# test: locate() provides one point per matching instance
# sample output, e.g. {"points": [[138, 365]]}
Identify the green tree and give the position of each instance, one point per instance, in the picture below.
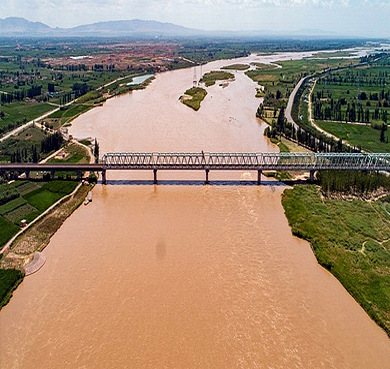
{"points": [[96, 151], [383, 131]]}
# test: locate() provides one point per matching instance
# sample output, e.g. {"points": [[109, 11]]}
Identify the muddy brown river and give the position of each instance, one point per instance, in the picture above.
{"points": [[183, 275]]}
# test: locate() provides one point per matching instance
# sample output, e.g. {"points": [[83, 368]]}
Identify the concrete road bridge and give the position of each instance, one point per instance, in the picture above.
{"points": [[259, 162]]}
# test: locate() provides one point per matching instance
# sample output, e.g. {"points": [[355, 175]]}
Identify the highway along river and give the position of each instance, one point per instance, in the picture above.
{"points": [[183, 275]]}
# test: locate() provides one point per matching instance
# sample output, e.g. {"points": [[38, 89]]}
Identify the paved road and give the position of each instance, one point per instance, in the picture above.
{"points": [[287, 112]]}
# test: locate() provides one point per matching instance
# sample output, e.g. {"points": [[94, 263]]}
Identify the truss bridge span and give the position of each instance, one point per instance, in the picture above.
{"points": [[245, 161], [206, 161]]}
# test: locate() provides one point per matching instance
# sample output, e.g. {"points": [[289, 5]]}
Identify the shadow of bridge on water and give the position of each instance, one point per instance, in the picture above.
{"points": [[216, 183]]}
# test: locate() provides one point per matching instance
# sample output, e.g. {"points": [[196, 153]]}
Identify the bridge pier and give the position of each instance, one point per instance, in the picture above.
{"points": [[259, 177], [104, 179], [155, 176], [312, 176], [207, 176], [27, 172], [78, 175], [52, 174]]}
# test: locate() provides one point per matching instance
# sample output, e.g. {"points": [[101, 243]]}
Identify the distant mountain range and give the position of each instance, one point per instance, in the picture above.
{"points": [[20, 27]]}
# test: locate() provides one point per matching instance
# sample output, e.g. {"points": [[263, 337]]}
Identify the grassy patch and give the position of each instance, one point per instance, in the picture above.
{"points": [[9, 280], [349, 239], [86, 142], [7, 193], [7, 230], [26, 211], [68, 113], [26, 187], [18, 113], [11, 205], [283, 147], [73, 154], [197, 95], [210, 78], [49, 193], [41, 199], [90, 96], [362, 136], [236, 67]]}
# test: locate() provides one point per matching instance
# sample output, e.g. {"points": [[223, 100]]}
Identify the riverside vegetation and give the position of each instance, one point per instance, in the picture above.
{"points": [[339, 94], [27, 200], [347, 217], [349, 238], [278, 81], [9, 281], [34, 239]]}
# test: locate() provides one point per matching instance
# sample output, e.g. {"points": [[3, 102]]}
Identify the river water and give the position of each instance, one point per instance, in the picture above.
{"points": [[182, 275]]}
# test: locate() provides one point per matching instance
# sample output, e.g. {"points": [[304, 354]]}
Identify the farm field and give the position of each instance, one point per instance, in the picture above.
{"points": [[358, 135], [279, 80], [32, 199], [354, 95]]}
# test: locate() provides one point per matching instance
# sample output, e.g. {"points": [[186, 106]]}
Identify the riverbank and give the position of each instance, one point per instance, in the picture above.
{"points": [[351, 240], [9, 282], [22, 248]]}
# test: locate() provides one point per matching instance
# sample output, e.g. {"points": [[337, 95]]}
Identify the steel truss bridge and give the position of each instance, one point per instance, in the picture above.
{"points": [[259, 162]]}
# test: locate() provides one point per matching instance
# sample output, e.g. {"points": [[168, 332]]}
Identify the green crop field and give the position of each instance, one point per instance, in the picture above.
{"points": [[26, 211], [280, 81], [22, 112], [11, 205], [26, 186], [35, 197], [354, 95], [365, 137], [7, 230], [49, 193]]}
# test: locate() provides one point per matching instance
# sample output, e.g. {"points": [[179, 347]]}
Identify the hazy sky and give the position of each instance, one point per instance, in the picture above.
{"points": [[346, 17]]}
